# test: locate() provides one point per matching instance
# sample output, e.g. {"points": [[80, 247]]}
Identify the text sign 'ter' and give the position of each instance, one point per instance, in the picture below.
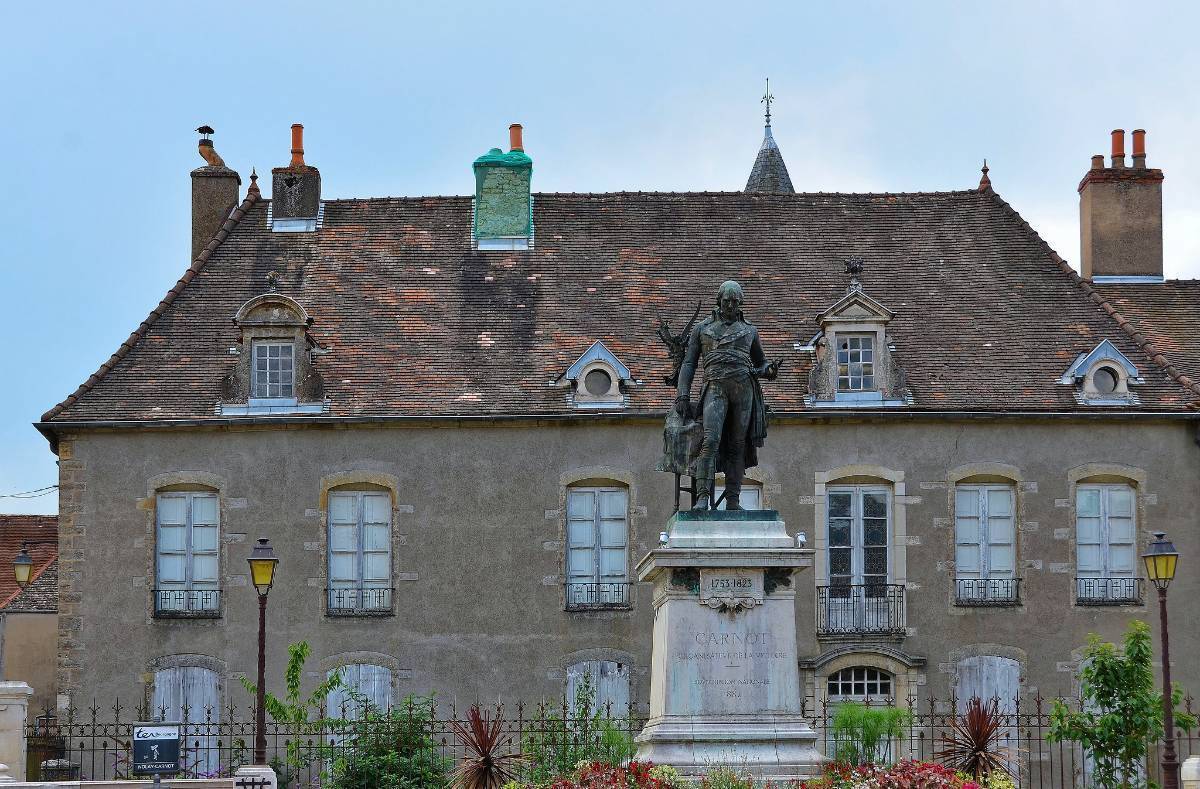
{"points": [[155, 748]]}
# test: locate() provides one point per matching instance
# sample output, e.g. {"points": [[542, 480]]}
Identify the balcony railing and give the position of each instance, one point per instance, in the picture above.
{"points": [[987, 591], [581, 597], [356, 602], [853, 609], [187, 603], [1108, 591]]}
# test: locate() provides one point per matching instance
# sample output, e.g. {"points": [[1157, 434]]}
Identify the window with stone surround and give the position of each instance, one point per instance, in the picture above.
{"points": [[597, 547], [609, 682], [859, 683], [274, 372], [191, 695], [360, 552], [362, 685], [856, 362], [985, 545], [187, 559], [1105, 545]]}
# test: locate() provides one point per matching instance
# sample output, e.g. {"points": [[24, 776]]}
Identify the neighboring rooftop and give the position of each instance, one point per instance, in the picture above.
{"points": [[41, 533], [413, 321]]}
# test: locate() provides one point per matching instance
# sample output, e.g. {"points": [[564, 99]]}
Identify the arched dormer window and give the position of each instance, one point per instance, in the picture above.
{"points": [[275, 372], [1103, 377]]}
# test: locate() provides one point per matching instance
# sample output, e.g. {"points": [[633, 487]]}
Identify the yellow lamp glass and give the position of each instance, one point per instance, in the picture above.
{"points": [[1161, 560], [23, 568], [262, 565]]}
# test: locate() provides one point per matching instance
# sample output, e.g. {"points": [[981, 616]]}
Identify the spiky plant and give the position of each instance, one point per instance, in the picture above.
{"points": [[973, 744], [484, 767]]}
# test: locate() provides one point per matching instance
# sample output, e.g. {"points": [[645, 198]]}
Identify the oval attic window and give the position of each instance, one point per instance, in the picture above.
{"points": [[597, 383], [1105, 380]]}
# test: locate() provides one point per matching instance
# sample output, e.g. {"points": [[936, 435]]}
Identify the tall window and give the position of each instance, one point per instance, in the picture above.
{"points": [[187, 562], [363, 684], [360, 552], [274, 371], [984, 549], [1105, 536], [858, 598], [191, 695], [597, 539], [988, 678], [609, 683], [856, 362]]}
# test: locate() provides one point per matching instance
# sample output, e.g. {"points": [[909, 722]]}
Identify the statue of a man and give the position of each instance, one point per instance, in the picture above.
{"points": [[732, 411]]}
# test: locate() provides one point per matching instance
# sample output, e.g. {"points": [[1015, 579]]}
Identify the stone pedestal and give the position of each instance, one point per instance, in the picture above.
{"points": [[724, 682], [262, 774], [14, 702]]}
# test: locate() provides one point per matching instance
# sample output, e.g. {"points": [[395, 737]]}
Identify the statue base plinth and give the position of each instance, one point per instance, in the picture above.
{"points": [[724, 682]]}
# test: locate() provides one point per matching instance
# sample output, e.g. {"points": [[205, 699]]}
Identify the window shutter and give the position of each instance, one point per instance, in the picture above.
{"points": [[987, 677], [377, 541], [612, 688], [197, 690], [613, 535], [343, 540], [968, 533], [1001, 548], [581, 536], [1122, 559], [1089, 560]]}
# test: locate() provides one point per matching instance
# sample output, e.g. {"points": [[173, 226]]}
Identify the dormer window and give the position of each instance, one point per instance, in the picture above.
{"points": [[856, 362], [596, 379], [274, 370], [1102, 377]]}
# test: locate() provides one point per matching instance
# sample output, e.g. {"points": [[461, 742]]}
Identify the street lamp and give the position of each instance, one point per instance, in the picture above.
{"points": [[23, 566], [262, 573], [1161, 559]]}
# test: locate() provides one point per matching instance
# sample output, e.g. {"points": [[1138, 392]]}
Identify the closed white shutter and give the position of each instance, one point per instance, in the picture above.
{"points": [[581, 536], [191, 695], [597, 545], [610, 685], [968, 533], [370, 682], [360, 551], [988, 677], [1105, 540]]}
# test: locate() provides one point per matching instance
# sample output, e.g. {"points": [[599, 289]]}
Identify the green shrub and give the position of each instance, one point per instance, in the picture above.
{"points": [[392, 749], [862, 734], [558, 744]]}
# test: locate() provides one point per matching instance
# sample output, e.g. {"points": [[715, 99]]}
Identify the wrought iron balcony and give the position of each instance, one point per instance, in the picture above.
{"points": [[582, 597], [987, 591], [358, 602], [856, 609], [187, 603], [1108, 591]]}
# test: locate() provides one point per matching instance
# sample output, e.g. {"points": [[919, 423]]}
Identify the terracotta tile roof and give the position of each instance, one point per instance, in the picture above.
{"points": [[419, 324], [1167, 315], [42, 592]]}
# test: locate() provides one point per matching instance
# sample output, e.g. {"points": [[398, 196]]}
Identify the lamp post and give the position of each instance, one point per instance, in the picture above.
{"points": [[262, 573], [23, 564], [1160, 560]]}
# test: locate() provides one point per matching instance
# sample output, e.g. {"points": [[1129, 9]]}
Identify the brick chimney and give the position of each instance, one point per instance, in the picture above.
{"points": [[296, 189], [1120, 215], [214, 194]]}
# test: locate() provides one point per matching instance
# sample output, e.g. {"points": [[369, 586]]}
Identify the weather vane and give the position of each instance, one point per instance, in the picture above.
{"points": [[767, 99]]}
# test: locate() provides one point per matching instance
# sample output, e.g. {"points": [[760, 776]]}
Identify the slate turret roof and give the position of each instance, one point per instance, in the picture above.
{"points": [[769, 173]]}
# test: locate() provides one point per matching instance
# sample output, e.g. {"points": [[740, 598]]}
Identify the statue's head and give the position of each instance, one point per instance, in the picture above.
{"points": [[729, 300]]}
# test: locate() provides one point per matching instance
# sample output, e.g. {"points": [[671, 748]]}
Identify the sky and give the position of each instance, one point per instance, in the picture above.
{"points": [[98, 102]]}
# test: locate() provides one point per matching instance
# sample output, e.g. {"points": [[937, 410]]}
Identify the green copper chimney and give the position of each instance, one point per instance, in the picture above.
{"points": [[502, 201]]}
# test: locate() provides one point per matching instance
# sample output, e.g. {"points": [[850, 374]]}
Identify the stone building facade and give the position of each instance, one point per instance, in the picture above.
{"points": [[450, 437]]}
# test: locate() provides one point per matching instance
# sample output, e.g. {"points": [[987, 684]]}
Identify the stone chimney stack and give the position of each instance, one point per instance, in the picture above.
{"points": [[296, 189], [1120, 216], [214, 194]]}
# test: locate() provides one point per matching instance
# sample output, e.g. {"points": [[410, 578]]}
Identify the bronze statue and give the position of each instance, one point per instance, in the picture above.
{"points": [[732, 422]]}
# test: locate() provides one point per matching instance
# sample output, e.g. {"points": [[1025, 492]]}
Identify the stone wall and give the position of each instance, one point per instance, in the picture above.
{"points": [[478, 546]]}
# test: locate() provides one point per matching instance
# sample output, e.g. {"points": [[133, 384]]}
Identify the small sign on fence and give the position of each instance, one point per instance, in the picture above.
{"points": [[155, 748]]}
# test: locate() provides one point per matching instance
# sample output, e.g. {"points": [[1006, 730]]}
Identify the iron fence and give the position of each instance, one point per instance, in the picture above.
{"points": [[351, 601], [187, 602], [852, 609], [94, 744], [1108, 591], [581, 596], [987, 591]]}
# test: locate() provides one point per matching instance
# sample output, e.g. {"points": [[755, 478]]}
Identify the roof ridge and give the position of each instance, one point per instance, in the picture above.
{"points": [[1144, 344], [665, 193], [231, 222]]}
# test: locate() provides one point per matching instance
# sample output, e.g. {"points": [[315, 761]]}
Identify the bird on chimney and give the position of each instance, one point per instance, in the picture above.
{"points": [[207, 152]]}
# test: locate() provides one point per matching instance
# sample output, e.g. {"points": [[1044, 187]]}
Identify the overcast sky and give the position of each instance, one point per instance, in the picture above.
{"points": [[99, 101]]}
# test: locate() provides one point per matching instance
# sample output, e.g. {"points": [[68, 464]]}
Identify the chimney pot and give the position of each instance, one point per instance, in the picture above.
{"points": [[1139, 148], [514, 138], [297, 146], [214, 194], [1098, 161], [1118, 147]]}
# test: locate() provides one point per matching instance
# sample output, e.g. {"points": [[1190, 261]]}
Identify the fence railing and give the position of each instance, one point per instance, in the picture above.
{"points": [[187, 602], [1108, 591], [852, 609], [346, 602], [94, 744], [987, 591], [597, 595]]}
